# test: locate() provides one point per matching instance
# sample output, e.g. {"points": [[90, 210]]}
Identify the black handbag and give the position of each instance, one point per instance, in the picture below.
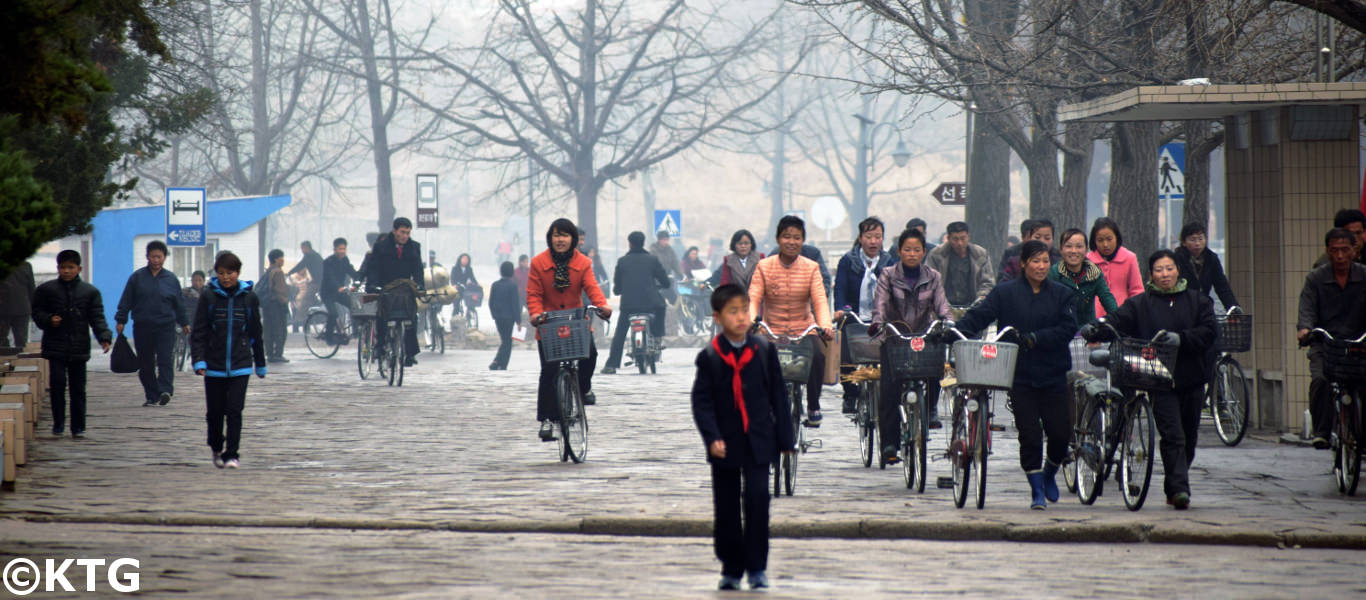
{"points": [[122, 359]]}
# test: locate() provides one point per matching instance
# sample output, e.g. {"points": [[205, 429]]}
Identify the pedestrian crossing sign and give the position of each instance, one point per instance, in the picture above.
{"points": [[1171, 171], [670, 221]]}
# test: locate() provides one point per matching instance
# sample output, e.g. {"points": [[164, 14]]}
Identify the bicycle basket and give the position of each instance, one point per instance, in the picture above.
{"points": [[1142, 364], [863, 350], [565, 336], [1344, 361], [473, 295], [916, 358], [398, 304], [1235, 332], [985, 364], [795, 360], [1081, 358], [360, 308]]}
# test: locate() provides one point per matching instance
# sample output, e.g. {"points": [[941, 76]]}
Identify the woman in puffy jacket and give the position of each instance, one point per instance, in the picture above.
{"points": [[1119, 264], [912, 293], [226, 348], [1077, 272]]}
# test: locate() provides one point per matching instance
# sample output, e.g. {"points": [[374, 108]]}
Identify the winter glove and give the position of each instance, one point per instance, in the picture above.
{"points": [[1028, 341], [1090, 332], [1170, 337]]}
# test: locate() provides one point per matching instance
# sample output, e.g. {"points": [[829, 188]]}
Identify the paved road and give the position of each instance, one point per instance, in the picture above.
{"points": [[275, 563], [455, 447]]}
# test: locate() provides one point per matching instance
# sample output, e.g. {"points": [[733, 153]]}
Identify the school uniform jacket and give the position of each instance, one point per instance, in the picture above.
{"points": [[718, 418], [225, 340]]}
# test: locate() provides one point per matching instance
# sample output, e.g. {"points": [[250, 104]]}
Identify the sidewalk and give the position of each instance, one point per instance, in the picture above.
{"points": [[455, 449]]}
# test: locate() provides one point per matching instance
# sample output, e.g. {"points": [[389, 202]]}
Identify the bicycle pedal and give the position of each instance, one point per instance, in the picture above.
{"points": [[995, 427], [944, 483], [815, 443]]}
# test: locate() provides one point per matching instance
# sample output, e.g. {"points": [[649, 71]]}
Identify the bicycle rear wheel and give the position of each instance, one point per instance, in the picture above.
{"points": [[1136, 453], [1347, 449], [472, 319], [981, 447], [1229, 401], [393, 353], [365, 347], [573, 419], [959, 460], [913, 436], [863, 423], [799, 435], [316, 338], [1089, 463]]}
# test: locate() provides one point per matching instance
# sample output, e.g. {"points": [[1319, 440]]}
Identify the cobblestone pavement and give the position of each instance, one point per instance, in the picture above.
{"points": [[456, 448], [275, 563]]}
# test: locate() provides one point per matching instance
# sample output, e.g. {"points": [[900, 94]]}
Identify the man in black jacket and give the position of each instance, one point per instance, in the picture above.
{"points": [[1200, 266], [638, 279], [506, 305], [395, 256], [67, 309], [337, 274], [152, 298], [1333, 299]]}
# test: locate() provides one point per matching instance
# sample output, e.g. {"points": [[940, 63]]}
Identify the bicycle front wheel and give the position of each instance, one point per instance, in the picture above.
{"points": [[959, 460], [316, 338], [863, 422], [1229, 401], [981, 448], [1136, 453], [799, 435], [916, 435], [365, 348], [1089, 463], [1347, 452], [393, 352], [573, 419]]}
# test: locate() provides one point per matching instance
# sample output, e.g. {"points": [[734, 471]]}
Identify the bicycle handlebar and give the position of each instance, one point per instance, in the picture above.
{"points": [[1319, 332], [849, 314], [769, 332], [1156, 336], [902, 330]]}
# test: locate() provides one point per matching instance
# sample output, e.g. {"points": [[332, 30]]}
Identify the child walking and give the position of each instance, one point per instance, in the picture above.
{"points": [[67, 309], [225, 344], [741, 410]]}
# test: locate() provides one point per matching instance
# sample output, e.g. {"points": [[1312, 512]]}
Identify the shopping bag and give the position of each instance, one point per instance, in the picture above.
{"points": [[832, 358], [123, 360], [518, 333]]}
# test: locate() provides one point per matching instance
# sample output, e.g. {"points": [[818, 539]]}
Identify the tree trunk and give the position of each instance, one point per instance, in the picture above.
{"points": [[1199, 145], [1133, 185], [988, 208], [1045, 192], [1076, 169], [379, 122], [585, 175], [258, 183]]}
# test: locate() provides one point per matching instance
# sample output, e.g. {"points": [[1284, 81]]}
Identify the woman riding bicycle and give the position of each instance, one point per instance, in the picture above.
{"points": [[559, 277], [785, 289], [913, 293], [1188, 318], [462, 277], [1043, 314]]}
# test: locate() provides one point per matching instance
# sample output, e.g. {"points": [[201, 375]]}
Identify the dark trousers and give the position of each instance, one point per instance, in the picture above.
{"points": [[741, 542], [623, 327], [1177, 415], [504, 326], [155, 347], [225, 397], [64, 373], [1040, 412], [1322, 406], [333, 305], [274, 316], [816, 381], [409, 336], [547, 408], [17, 326]]}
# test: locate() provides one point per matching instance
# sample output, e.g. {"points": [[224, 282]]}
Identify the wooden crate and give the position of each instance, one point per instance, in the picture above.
{"points": [[9, 471], [15, 411], [18, 389]]}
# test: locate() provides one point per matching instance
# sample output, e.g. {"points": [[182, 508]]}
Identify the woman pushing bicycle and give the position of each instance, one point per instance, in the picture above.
{"points": [[559, 278], [1043, 314]]}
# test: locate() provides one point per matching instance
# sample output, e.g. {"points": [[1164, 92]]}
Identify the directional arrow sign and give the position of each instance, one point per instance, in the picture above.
{"points": [[952, 194], [185, 208]]}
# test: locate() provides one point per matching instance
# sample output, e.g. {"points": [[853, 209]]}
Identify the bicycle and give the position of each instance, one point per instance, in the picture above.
{"points": [[863, 351], [980, 366], [363, 313], [692, 306], [566, 338], [1117, 416], [1227, 395], [432, 328], [181, 352], [321, 343], [398, 308], [913, 360], [794, 358], [1344, 366]]}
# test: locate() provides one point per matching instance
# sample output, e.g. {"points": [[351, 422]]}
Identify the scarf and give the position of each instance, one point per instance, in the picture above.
{"points": [[736, 366], [561, 267], [1180, 287]]}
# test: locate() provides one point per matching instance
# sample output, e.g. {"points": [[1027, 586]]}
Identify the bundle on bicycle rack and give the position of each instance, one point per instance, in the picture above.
{"points": [[1235, 332], [1344, 361], [565, 335], [985, 364], [862, 374], [863, 349], [794, 358], [916, 358], [1142, 364]]}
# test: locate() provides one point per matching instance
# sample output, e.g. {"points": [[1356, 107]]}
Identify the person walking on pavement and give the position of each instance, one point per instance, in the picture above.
{"points": [[560, 277], [16, 293], [396, 256], [738, 266], [664, 251], [226, 348], [1354, 221], [964, 266], [855, 283], [1119, 264], [152, 297], [740, 408], [1082, 276], [312, 262], [67, 310], [912, 293], [337, 274], [1334, 299], [198, 280], [274, 301], [1187, 317], [786, 289], [1043, 314], [638, 279], [506, 305]]}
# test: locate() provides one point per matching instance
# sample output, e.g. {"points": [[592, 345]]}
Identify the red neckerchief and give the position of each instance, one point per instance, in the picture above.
{"points": [[736, 366]]}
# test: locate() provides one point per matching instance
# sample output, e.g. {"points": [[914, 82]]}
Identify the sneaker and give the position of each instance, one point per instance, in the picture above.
{"points": [[1320, 443], [547, 431], [850, 405], [217, 460], [231, 463], [164, 398], [609, 370], [758, 581], [77, 434], [589, 399], [150, 403], [814, 419], [1181, 501], [934, 423], [493, 366], [410, 362], [889, 455], [728, 584]]}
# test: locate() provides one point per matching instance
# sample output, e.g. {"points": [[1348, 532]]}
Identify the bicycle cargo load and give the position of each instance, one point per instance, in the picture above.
{"points": [[565, 335], [1142, 364], [985, 364], [794, 358], [1344, 361], [1235, 332], [915, 358]]}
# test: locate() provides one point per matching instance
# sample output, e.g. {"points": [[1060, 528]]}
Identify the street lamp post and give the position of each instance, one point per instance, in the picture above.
{"points": [[867, 130]]}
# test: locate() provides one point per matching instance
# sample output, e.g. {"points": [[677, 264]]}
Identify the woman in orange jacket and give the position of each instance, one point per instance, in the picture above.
{"points": [[559, 278]]}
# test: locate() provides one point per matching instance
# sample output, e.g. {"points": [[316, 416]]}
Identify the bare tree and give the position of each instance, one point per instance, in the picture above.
{"points": [[594, 95]]}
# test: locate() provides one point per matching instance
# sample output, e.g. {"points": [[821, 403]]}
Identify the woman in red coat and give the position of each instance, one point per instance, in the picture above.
{"points": [[559, 278]]}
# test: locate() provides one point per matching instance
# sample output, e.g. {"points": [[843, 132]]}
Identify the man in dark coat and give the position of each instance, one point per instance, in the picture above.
{"points": [[664, 251], [505, 303], [337, 274], [152, 298], [395, 256], [1333, 299], [67, 310], [15, 292], [639, 277]]}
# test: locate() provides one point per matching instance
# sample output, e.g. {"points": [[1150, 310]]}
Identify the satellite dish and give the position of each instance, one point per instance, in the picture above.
{"points": [[827, 212]]}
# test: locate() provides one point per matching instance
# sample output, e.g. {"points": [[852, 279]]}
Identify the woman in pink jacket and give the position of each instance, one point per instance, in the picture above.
{"points": [[1119, 264]]}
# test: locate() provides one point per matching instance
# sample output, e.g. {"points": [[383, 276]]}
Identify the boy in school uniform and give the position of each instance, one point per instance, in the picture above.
{"points": [[226, 347], [67, 309], [741, 410]]}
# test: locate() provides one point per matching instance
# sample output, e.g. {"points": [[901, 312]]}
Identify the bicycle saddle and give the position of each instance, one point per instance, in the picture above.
{"points": [[1100, 357]]}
